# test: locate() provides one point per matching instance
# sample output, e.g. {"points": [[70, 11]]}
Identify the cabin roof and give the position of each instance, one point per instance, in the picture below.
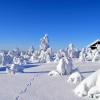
{"points": [[98, 40]]}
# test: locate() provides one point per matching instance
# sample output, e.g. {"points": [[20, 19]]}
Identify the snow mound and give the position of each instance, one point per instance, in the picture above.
{"points": [[53, 73], [64, 67], [75, 78], [61, 67], [86, 87], [94, 92]]}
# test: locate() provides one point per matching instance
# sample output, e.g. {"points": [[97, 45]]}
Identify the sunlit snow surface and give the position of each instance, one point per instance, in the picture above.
{"points": [[35, 84]]}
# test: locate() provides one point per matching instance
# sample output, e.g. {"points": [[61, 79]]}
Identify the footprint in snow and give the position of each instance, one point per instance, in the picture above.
{"points": [[27, 85], [21, 92], [17, 98], [25, 89], [30, 83]]}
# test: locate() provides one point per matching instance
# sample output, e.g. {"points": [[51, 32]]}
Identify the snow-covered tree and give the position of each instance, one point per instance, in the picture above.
{"points": [[64, 67], [45, 51], [96, 57], [17, 52], [72, 51], [84, 88], [31, 50], [44, 45], [89, 54], [5, 59], [82, 55], [18, 60], [60, 54], [14, 68]]}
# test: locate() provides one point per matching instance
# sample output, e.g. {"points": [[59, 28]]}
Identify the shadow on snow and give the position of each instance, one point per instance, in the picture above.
{"points": [[85, 72], [20, 67], [38, 72]]}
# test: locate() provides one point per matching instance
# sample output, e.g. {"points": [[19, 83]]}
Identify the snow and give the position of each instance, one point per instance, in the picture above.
{"points": [[35, 84], [64, 67], [89, 86], [96, 57], [72, 51], [75, 78], [61, 67], [93, 91], [53, 73]]}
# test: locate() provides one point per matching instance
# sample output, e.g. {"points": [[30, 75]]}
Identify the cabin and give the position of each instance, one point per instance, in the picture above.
{"points": [[95, 45]]}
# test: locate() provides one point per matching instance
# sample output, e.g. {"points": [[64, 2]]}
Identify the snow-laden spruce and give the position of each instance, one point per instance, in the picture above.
{"points": [[17, 60], [89, 86], [45, 52], [31, 51], [14, 68], [34, 57], [87, 54], [72, 51], [5, 59], [64, 67], [44, 45], [82, 55], [60, 54], [96, 57]]}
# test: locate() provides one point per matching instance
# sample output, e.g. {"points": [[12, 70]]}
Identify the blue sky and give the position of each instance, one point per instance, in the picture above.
{"points": [[24, 22]]}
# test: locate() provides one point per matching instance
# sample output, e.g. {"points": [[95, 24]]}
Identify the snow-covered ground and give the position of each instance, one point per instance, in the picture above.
{"points": [[35, 84]]}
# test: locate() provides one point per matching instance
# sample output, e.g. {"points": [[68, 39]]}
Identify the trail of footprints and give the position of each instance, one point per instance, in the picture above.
{"points": [[25, 89]]}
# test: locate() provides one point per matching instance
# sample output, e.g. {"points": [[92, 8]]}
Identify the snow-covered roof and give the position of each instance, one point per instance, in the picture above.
{"points": [[93, 43]]}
